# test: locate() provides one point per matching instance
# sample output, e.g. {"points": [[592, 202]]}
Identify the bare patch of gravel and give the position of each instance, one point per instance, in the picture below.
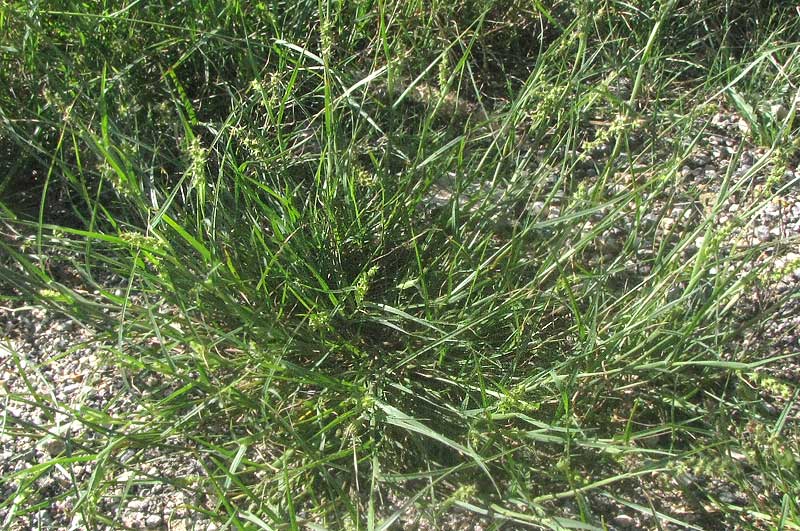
{"points": [[56, 385]]}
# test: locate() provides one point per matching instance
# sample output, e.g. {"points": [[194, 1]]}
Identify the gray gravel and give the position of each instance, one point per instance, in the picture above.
{"points": [[65, 369]]}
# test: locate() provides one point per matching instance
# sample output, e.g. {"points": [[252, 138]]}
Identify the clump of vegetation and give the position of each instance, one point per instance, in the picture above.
{"points": [[421, 248]]}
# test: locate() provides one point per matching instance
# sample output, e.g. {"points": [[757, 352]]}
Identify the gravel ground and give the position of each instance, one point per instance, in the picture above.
{"points": [[60, 363], [52, 358]]}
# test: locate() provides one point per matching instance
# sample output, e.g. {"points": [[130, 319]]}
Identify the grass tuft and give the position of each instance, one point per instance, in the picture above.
{"points": [[352, 259]]}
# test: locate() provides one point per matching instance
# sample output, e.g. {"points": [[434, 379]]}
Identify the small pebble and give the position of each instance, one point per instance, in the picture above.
{"points": [[778, 111], [53, 446], [762, 233], [623, 520]]}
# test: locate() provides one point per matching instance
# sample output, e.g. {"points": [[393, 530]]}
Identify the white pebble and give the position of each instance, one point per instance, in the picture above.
{"points": [[762, 233]]}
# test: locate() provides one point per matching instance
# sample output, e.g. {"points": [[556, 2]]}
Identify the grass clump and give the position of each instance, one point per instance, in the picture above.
{"points": [[441, 253]]}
